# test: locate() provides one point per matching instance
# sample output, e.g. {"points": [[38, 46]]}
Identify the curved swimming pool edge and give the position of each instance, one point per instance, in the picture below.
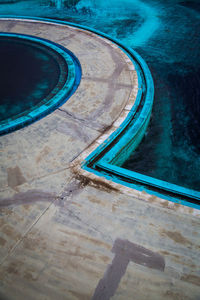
{"points": [[85, 163], [57, 96], [145, 83]]}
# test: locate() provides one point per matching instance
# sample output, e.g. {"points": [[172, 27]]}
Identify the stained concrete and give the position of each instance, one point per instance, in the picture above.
{"points": [[60, 227]]}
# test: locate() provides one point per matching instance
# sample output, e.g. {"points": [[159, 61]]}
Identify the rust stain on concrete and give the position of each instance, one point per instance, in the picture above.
{"points": [[170, 254], [175, 296], [43, 153], [93, 199], [152, 199], [176, 237], [80, 296], [5, 211], [97, 183], [79, 253], [2, 241], [105, 259], [15, 177], [29, 276], [165, 204], [34, 243], [179, 259], [84, 237], [13, 268], [72, 263], [191, 278], [11, 232]]}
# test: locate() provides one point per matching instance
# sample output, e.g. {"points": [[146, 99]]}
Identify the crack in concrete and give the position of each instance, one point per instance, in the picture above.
{"points": [[94, 125], [25, 234]]}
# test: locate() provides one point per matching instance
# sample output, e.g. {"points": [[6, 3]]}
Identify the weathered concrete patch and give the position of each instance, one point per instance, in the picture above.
{"points": [[15, 177], [125, 252], [192, 279], [61, 250], [176, 237]]}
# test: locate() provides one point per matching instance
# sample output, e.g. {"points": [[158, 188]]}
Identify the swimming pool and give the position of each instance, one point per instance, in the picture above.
{"points": [[166, 36], [36, 77]]}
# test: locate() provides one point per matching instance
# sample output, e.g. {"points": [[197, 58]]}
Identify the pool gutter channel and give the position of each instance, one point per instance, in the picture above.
{"points": [[101, 160]]}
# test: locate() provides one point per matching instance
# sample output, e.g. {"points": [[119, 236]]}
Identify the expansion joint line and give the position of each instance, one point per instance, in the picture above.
{"points": [[72, 116], [26, 233]]}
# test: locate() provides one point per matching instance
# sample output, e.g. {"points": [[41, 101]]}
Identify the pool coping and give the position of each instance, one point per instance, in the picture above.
{"points": [[77, 164]]}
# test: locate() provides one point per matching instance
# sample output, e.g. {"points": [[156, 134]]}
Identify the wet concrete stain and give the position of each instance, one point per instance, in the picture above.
{"points": [[29, 197], [15, 177], [125, 251]]}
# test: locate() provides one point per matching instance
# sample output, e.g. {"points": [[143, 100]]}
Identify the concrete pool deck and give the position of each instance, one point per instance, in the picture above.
{"points": [[66, 234]]}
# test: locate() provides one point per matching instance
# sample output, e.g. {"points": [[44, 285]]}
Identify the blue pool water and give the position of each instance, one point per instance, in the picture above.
{"points": [[29, 72], [166, 35], [37, 76]]}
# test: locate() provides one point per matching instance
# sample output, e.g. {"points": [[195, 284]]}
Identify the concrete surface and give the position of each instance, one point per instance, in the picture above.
{"points": [[68, 235]]}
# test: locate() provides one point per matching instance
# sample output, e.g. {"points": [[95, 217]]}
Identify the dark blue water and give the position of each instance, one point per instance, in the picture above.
{"points": [[28, 73], [170, 150], [167, 35]]}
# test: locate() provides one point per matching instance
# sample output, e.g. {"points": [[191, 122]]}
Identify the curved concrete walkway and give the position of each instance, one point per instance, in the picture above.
{"points": [[61, 230], [49, 145]]}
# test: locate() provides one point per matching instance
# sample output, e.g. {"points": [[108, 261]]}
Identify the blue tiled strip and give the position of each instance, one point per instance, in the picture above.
{"points": [[60, 95], [107, 159]]}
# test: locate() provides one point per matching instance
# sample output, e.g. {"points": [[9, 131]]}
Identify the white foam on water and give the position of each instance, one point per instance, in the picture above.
{"points": [[147, 12]]}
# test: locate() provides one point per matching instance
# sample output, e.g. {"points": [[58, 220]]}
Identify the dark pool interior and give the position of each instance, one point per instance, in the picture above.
{"points": [[170, 45], [29, 72]]}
